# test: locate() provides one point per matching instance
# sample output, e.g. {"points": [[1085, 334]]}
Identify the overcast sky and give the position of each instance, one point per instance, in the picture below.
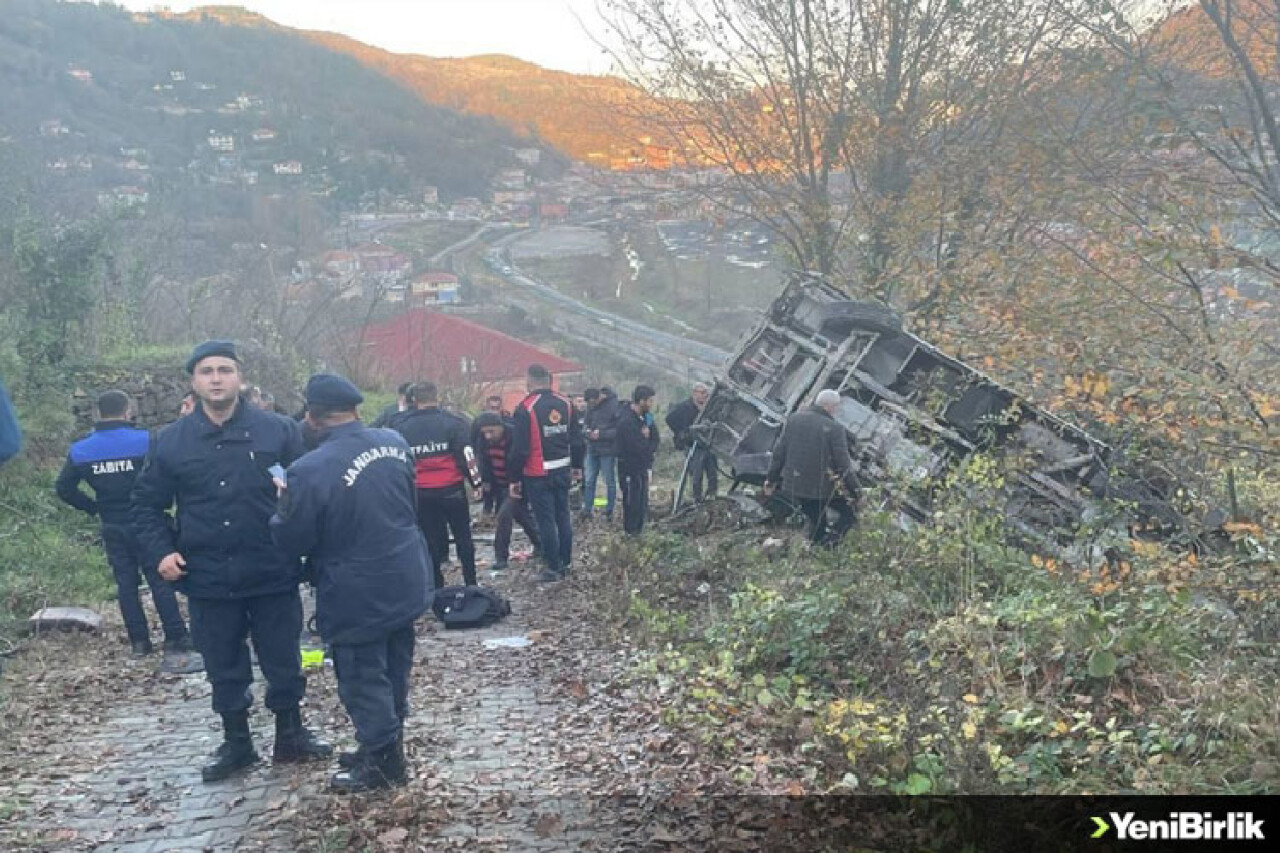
{"points": [[542, 31]]}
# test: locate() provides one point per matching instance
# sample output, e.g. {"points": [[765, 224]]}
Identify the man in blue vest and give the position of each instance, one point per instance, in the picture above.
{"points": [[349, 508], [108, 461], [221, 464]]}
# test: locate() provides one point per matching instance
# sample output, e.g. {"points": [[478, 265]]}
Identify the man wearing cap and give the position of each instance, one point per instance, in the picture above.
{"points": [[349, 508], [217, 464]]}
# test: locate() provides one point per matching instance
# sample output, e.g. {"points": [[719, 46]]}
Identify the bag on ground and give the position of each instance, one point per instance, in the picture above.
{"points": [[469, 606]]}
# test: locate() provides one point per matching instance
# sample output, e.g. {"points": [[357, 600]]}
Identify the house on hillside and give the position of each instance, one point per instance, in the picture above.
{"points": [[433, 288], [469, 360], [339, 264]]}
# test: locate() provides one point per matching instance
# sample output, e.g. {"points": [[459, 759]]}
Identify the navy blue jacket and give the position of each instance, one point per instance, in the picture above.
{"points": [[10, 432], [219, 476], [350, 509], [635, 450], [108, 459]]}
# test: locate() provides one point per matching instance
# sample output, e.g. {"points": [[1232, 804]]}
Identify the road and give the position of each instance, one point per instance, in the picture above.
{"points": [[677, 356]]}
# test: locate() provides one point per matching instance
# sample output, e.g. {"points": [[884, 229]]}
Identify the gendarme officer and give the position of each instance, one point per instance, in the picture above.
{"points": [[349, 507], [217, 464]]}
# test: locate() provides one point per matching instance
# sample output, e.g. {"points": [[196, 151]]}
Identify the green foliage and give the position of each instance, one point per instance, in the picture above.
{"points": [[48, 552], [942, 660]]}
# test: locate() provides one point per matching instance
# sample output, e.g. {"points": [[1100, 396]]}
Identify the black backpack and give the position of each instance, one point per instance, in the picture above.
{"points": [[468, 606]]}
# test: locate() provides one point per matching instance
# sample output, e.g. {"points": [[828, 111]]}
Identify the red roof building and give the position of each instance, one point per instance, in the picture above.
{"points": [[422, 345]]}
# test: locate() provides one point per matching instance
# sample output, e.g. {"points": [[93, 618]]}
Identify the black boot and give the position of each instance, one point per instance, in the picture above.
{"points": [[349, 759], [236, 751], [380, 768], [295, 742]]}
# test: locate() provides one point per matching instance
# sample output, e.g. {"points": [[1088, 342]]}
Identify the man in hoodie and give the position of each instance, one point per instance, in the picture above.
{"points": [[637, 442]]}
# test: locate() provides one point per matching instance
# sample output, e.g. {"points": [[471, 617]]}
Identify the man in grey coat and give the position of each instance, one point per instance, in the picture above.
{"points": [[810, 458]]}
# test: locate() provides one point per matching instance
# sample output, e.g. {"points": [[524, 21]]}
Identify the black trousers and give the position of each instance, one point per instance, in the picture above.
{"points": [[440, 514], [702, 466], [126, 565], [220, 628], [635, 499], [511, 510], [816, 511], [373, 684]]}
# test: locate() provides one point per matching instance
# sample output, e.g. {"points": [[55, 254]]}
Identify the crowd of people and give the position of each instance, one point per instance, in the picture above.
{"points": [[234, 505]]}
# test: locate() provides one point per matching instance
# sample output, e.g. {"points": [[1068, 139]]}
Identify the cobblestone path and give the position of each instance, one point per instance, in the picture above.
{"points": [[101, 753]]}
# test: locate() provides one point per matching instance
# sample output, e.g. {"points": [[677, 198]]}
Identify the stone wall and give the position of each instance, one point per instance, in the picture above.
{"points": [[157, 390]]}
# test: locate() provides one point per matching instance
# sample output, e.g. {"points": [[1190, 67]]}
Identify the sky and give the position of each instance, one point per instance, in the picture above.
{"points": [[542, 31]]}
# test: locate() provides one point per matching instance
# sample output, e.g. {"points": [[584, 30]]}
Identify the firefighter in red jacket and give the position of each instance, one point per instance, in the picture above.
{"points": [[445, 463], [544, 460]]}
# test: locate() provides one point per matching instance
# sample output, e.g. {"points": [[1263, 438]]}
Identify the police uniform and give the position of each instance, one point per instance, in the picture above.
{"points": [[108, 461], [349, 507], [239, 584], [544, 436], [444, 461]]}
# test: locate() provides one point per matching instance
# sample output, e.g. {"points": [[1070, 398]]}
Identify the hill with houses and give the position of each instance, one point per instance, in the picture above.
{"points": [[107, 107]]}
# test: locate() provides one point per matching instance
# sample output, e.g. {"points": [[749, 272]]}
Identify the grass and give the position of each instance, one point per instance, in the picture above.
{"points": [[49, 553], [942, 660]]}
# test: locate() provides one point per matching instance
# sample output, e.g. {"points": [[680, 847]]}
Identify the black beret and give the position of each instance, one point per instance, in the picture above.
{"points": [[332, 392], [226, 349]]}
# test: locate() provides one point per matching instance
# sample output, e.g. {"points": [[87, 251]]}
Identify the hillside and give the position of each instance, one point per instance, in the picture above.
{"points": [[578, 114], [102, 99]]}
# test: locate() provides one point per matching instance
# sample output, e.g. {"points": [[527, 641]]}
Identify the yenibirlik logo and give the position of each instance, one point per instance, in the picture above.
{"points": [[1182, 826]]}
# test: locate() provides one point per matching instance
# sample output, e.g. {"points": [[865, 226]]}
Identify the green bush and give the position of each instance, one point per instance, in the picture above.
{"points": [[48, 552], [942, 659]]}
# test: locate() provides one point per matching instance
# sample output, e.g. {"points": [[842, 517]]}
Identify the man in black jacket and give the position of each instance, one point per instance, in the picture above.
{"points": [[601, 423], [108, 461], [349, 508], [810, 458], [541, 464], [445, 462], [492, 406], [637, 441], [492, 451], [702, 462], [221, 464], [403, 403]]}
